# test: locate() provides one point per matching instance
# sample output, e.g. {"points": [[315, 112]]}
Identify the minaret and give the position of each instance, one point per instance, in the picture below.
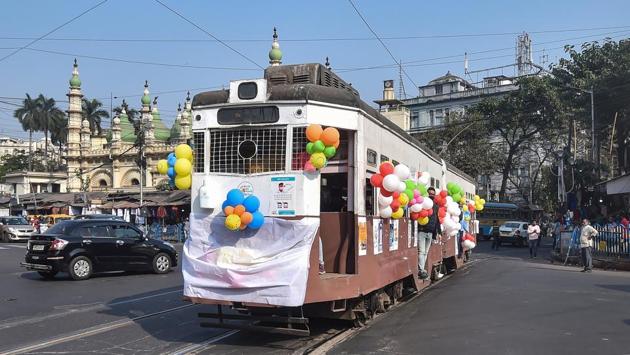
{"points": [[275, 54], [146, 116], [116, 138], [184, 124], [75, 112], [177, 129]]}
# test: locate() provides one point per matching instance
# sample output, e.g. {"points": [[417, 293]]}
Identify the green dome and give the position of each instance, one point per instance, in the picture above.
{"points": [[127, 133], [160, 131], [146, 100], [75, 82], [275, 54]]}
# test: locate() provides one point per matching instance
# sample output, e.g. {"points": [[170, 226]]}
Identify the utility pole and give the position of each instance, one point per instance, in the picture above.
{"points": [[593, 122]]}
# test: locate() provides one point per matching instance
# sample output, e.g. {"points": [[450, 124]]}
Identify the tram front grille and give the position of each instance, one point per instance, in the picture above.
{"points": [[247, 150]]}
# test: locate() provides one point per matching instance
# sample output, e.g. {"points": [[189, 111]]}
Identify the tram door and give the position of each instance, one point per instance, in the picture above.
{"points": [[337, 209]]}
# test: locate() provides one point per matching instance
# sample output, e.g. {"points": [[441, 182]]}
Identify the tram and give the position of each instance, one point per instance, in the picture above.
{"points": [[252, 137]]}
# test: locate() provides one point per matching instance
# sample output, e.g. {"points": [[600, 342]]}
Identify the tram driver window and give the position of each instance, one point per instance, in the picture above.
{"points": [[370, 193], [334, 192]]}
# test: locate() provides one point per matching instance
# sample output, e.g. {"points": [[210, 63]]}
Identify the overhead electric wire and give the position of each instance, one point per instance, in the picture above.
{"points": [[209, 34], [316, 39], [52, 31], [382, 43]]}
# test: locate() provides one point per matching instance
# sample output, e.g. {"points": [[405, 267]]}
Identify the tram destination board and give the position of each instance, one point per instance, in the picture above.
{"points": [[240, 115]]}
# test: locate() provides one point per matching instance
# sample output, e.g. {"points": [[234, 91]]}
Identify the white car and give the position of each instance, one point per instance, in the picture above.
{"points": [[508, 232]]}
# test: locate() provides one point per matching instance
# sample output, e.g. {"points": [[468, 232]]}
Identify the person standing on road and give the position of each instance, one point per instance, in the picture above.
{"points": [[586, 244], [533, 233], [496, 236], [426, 234]]}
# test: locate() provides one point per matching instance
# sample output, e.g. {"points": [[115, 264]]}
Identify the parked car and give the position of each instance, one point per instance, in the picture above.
{"points": [[509, 234], [52, 219], [83, 247], [99, 216], [15, 228]]}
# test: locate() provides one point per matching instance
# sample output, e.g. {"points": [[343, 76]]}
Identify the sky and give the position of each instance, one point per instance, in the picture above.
{"points": [[119, 43]]}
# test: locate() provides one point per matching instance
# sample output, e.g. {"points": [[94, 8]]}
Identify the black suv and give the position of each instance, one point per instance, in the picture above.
{"points": [[82, 247]]}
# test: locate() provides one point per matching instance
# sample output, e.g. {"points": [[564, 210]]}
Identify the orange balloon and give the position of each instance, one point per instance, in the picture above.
{"points": [[228, 210], [313, 132], [336, 145], [243, 226], [330, 136], [246, 218], [238, 210]]}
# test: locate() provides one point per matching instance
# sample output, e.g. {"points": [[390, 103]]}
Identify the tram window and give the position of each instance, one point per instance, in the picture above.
{"points": [[239, 115], [247, 91], [369, 198], [300, 156], [371, 157], [334, 192], [199, 147], [433, 182], [384, 158], [395, 162], [437, 184]]}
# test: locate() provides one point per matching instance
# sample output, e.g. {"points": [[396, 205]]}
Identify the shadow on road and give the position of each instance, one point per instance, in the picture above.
{"points": [[623, 288]]}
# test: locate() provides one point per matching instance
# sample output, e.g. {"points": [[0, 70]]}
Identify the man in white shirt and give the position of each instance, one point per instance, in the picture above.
{"points": [[533, 233], [586, 244]]}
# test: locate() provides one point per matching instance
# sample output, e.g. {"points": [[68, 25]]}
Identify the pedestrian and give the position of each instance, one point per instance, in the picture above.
{"points": [[496, 236], [586, 244], [533, 233], [426, 234], [555, 233], [186, 229]]}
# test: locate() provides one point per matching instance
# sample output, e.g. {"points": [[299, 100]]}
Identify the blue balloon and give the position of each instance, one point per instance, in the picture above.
{"points": [[224, 205], [171, 173], [235, 197], [251, 203], [257, 221], [171, 160], [170, 155]]}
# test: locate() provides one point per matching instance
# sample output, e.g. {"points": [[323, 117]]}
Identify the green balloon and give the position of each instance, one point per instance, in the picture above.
{"points": [[330, 152], [410, 185], [318, 146], [409, 194], [457, 189], [309, 148], [449, 186], [457, 197], [423, 190]]}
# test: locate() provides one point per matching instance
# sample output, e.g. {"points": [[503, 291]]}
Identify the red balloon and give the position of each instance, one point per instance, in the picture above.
{"points": [[386, 168], [430, 212], [441, 220], [441, 213], [396, 195], [386, 193], [414, 215], [424, 213], [443, 193], [376, 180], [395, 205]]}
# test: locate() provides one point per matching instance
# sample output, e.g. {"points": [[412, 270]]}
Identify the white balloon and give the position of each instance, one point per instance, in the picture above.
{"points": [[425, 178], [449, 199], [468, 244], [391, 183], [402, 187], [416, 207], [427, 204], [402, 171], [385, 212], [384, 201], [456, 219]]}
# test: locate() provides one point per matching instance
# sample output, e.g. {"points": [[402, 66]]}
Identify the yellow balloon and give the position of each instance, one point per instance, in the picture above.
{"points": [[477, 198], [233, 222], [464, 208], [403, 199], [479, 208], [398, 213], [423, 221], [318, 160], [462, 200], [482, 201], [183, 167], [184, 151], [183, 182], [162, 166]]}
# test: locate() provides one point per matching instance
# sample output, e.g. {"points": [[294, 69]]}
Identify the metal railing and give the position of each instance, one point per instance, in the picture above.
{"points": [[610, 242]]}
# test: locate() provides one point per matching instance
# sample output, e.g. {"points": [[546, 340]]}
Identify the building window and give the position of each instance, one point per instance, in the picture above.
{"points": [[415, 118], [438, 89], [102, 183], [135, 182], [431, 118], [439, 117]]}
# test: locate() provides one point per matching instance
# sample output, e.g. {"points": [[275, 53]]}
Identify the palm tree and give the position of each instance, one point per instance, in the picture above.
{"points": [[59, 134], [27, 115], [93, 112], [48, 114]]}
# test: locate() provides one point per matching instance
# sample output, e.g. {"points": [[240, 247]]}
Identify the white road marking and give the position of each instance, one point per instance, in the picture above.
{"points": [[96, 307], [192, 349], [90, 331], [20, 246], [3, 248]]}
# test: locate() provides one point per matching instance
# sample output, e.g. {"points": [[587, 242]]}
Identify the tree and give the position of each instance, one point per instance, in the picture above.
{"points": [[27, 116], [606, 68], [59, 134], [94, 114], [18, 162], [530, 113], [47, 114]]}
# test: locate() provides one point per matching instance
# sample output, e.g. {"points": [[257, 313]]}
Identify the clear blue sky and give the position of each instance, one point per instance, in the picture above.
{"points": [[38, 72]]}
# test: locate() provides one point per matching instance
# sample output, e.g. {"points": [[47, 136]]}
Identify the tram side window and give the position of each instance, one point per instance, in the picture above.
{"points": [[300, 156], [369, 198], [384, 158]]}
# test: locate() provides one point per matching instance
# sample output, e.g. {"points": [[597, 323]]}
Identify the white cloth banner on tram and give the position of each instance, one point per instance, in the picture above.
{"points": [[266, 266]]}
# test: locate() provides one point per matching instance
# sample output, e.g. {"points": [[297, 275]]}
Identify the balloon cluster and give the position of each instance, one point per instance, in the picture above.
{"points": [[322, 146], [468, 241], [178, 167], [448, 213], [456, 192], [479, 203], [242, 212]]}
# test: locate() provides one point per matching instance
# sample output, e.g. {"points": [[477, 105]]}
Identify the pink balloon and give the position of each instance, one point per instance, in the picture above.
{"points": [[412, 202], [416, 194], [420, 199], [308, 167]]}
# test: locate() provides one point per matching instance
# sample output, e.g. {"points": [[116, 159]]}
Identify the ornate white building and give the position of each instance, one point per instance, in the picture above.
{"points": [[97, 163]]}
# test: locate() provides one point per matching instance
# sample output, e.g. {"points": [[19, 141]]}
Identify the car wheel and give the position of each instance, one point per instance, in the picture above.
{"points": [[80, 268], [47, 275], [161, 263]]}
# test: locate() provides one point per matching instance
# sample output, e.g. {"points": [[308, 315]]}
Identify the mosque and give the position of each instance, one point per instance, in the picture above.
{"points": [[108, 163]]}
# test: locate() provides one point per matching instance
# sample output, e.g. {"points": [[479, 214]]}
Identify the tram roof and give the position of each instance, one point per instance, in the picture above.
{"points": [[317, 83]]}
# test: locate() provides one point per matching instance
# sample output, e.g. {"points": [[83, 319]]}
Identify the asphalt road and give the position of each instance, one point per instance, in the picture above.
{"points": [[507, 303]]}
